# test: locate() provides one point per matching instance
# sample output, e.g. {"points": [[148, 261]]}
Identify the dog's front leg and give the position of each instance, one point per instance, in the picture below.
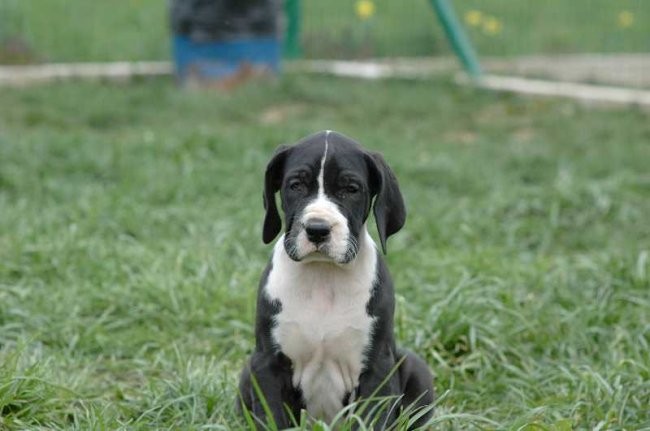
{"points": [[379, 392], [266, 379]]}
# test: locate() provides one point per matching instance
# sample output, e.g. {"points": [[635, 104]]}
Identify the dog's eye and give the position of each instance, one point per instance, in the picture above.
{"points": [[348, 190], [296, 185], [352, 188]]}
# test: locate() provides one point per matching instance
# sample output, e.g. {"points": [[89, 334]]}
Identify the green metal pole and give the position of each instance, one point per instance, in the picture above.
{"points": [[292, 36], [456, 35]]}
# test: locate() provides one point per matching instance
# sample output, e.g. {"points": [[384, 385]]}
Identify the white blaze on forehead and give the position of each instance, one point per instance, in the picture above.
{"points": [[321, 174]]}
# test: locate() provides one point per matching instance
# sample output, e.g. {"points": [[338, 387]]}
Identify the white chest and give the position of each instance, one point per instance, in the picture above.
{"points": [[323, 326]]}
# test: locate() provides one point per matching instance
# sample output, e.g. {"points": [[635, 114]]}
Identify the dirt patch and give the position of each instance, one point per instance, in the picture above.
{"points": [[278, 114]]}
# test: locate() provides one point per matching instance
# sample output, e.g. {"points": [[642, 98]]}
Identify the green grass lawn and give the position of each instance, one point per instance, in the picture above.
{"points": [[130, 249], [100, 30], [410, 28]]}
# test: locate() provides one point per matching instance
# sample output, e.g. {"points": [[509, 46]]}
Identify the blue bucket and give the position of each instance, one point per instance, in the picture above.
{"points": [[216, 60]]}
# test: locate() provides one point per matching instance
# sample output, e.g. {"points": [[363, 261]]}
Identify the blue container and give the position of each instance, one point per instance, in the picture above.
{"points": [[215, 60]]}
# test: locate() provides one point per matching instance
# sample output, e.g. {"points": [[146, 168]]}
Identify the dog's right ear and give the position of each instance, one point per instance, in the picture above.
{"points": [[272, 184], [389, 209]]}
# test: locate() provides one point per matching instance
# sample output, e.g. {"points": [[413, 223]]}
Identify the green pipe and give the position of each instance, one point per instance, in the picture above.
{"points": [[292, 36], [456, 35]]}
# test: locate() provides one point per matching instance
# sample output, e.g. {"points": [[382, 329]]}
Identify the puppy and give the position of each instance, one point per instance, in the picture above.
{"points": [[324, 327]]}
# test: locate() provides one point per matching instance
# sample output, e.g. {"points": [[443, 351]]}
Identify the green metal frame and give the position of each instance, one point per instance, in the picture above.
{"points": [[457, 37], [444, 10], [292, 35]]}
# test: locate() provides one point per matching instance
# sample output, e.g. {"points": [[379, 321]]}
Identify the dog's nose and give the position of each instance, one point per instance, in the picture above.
{"points": [[317, 230]]}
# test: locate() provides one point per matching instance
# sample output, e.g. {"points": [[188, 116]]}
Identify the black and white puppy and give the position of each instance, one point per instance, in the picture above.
{"points": [[324, 328]]}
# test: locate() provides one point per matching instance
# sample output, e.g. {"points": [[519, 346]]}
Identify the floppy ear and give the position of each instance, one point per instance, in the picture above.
{"points": [[389, 209], [272, 184]]}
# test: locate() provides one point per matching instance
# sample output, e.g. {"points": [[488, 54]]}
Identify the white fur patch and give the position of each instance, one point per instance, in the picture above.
{"points": [[321, 173], [323, 325], [337, 245]]}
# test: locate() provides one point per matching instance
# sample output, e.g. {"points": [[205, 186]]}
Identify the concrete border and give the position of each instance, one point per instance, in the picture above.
{"points": [[19, 76], [557, 86], [585, 93]]}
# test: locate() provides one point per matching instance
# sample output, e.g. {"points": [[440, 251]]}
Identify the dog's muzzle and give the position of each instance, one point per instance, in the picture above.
{"points": [[321, 233]]}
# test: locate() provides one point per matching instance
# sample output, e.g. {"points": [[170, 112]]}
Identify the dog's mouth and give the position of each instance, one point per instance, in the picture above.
{"points": [[300, 250], [318, 256]]}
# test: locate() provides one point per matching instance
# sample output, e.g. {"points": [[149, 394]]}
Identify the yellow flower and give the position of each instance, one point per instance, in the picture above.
{"points": [[473, 17], [492, 26], [625, 19], [365, 9]]}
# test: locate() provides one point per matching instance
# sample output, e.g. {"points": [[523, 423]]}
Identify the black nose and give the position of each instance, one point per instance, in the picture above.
{"points": [[317, 230]]}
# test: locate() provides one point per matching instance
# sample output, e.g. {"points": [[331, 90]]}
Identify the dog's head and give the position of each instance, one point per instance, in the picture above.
{"points": [[327, 184]]}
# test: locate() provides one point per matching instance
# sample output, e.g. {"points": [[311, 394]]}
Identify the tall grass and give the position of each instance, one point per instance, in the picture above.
{"points": [[130, 249]]}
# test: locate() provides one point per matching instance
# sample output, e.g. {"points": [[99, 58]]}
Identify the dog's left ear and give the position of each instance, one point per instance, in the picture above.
{"points": [[389, 209], [272, 184]]}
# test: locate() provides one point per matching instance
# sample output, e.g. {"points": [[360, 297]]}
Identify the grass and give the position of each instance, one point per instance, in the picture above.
{"points": [[557, 26], [79, 30], [331, 28], [130, 249]]}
